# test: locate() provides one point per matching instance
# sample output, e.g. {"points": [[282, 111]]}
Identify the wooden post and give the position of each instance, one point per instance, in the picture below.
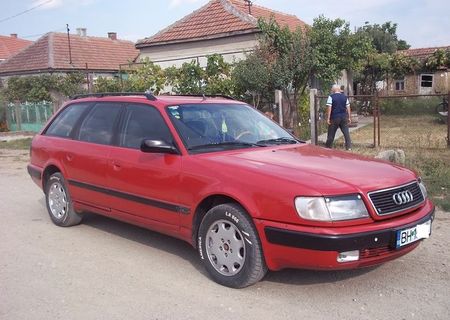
{"points": [[378, 116], [313, 115], [279, 103], [374, 113], [448, 119], [18, 112]]}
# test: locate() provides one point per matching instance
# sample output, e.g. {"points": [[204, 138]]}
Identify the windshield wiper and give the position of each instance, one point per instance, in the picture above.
{"points": [[226, 144], [283, 140]]}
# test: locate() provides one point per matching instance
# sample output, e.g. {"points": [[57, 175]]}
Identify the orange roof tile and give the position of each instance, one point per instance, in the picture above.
{"points": [[422, 53], [51, 53], [219, 18], [11, 45]]}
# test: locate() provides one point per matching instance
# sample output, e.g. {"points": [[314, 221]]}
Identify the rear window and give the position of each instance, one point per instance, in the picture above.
{"points": [[98, 125], [65, 121]]}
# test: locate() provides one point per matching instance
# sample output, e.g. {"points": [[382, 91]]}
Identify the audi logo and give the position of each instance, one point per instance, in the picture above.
{"points": [[403, 197]]}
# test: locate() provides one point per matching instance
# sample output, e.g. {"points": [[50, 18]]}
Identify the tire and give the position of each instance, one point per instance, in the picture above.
{"points": [[230, 248], [59, 204]]}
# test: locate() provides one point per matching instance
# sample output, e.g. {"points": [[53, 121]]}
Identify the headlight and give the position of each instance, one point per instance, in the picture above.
{"points": [[423, 188], [331, 208]]}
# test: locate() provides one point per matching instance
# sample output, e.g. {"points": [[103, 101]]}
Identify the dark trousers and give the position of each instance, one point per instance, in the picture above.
{"points": [[342, 123]]}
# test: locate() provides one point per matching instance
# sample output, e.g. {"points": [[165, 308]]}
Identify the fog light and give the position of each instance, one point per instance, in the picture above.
{"points": [[348, 256]]}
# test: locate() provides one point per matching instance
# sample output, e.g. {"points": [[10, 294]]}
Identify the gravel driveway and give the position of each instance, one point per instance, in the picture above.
{"points": [[104, 269]]}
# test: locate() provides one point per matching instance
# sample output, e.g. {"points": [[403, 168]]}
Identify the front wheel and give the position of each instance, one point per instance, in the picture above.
{"points": [[230, 248], [59, 204]]}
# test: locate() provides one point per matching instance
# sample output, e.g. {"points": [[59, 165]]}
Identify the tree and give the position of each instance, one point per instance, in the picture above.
{"points": [[293, 57], [384, 37], [252, 80], [382, 61]]}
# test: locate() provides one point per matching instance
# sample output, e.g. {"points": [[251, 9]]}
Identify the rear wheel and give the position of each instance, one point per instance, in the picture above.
{"points": [[59, 204], [230, 248]]}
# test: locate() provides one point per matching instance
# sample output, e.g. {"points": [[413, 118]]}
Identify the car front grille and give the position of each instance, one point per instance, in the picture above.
{"points": [[385, 202]]}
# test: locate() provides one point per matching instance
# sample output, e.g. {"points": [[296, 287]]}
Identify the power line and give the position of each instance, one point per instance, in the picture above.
{"points": [[23, 12]]}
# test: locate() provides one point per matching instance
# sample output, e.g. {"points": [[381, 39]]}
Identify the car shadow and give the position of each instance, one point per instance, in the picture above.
{"points": [[308, 277], [145, 237], [187, 252]]}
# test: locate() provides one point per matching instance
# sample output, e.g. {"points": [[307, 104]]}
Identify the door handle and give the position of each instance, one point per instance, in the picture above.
{"points": [[116, 166]]}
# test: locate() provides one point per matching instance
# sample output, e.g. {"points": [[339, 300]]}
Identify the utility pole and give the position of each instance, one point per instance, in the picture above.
{"points": [[68, 39]]}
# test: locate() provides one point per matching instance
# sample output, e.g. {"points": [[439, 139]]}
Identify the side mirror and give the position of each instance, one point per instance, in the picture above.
{"points": [[158, 146]]}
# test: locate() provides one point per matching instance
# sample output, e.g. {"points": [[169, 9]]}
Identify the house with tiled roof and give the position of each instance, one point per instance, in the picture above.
{"points": [[10, 45], [59, 53], [226, 27], [421, 82]]}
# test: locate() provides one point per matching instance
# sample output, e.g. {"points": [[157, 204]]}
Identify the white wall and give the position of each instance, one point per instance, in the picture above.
{"points": [[231, 48]]}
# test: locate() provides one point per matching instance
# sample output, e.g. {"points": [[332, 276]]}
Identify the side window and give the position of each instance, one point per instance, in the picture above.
{"points": [[63, 124], [98, 125], [142, 122]]}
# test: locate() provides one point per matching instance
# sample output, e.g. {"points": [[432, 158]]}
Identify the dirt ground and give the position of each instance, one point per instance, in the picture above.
{"points": [[103, 269]]}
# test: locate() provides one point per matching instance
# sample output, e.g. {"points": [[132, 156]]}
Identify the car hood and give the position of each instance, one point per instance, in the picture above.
{"points": [[322, 171]]}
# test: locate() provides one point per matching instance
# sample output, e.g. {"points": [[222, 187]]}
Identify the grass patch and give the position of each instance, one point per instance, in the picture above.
{"points": [[20, 144], [423, 139]]}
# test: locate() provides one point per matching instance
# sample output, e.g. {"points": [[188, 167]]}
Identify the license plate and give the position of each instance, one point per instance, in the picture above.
{"points": [[410, 235]]}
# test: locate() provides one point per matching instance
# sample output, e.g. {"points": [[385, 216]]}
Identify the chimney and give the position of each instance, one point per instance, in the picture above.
{"points": [[13, 35], [82, 32], [112, 35]]}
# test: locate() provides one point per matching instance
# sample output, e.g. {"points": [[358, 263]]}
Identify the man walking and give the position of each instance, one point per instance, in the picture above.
{"points": [[338, 116]]}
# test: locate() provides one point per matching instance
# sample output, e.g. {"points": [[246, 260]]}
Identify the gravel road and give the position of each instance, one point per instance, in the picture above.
{"points": [[104, 269]]}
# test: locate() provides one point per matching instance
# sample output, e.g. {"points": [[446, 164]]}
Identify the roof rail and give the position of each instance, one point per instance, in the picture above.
{"points": [[148, 94], [204, 96]]}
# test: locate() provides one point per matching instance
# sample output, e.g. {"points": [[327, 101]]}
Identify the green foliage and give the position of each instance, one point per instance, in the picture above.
{"points": [[401, 65], [188, 79], [148, 76], [292, 58], [384, 37], [217, 77], [409, 106], [103, 84], [382, 61], [252, 80], [191, 78], [440, 59], [40, 88]]}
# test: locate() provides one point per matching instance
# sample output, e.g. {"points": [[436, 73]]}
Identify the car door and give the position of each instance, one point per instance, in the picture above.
{"points": [[85, 157], [144, 184]]}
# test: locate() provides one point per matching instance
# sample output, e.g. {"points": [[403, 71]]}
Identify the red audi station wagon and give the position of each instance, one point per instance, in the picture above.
{"points": [[218, 174]]}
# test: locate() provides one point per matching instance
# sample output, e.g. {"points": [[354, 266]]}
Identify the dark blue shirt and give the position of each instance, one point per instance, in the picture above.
{"points": [[338, 102]]}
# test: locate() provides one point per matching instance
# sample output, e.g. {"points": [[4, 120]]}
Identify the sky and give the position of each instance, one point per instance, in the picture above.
{"points": [[422, 23]]}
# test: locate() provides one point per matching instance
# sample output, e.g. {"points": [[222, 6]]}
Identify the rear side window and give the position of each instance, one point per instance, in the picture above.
{"points": [[98, 126], [142, 122], [63, 124]]}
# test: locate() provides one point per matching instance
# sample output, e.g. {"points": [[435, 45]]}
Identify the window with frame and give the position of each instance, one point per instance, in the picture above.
{"points": [[400, 85], [98, 125], [426, 80], [142, 122], [64, 123]]}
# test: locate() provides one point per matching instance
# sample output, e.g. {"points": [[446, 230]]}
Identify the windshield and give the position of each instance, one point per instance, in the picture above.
{"points": [[215, 127]]}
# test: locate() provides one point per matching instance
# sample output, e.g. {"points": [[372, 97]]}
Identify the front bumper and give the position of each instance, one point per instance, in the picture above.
{"points": [[289, 246]]}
